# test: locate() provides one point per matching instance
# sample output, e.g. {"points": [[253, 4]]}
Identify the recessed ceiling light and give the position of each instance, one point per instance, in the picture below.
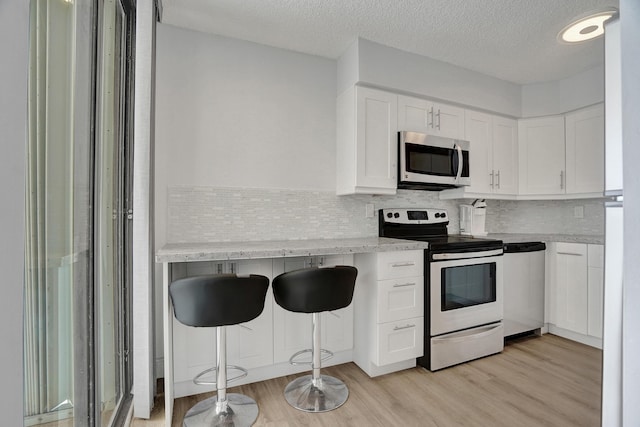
{"points": [[586, 28]]}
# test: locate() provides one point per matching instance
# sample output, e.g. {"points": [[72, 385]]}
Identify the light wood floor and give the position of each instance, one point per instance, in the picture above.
{"points": [[535, 381]]}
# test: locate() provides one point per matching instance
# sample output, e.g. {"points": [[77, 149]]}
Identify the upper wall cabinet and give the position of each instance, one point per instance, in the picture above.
{"points": [[494, 153], [563, 155], [420, 115], [585, 150], [367, 142], [493, 158], [542, 152]]}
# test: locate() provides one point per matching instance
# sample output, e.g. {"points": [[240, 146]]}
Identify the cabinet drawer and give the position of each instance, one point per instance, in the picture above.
{"points": [[401, 298], [399, 341], [392, 265]]}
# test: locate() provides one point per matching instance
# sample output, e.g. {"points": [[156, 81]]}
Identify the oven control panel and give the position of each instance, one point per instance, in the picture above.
{"points": [[414, 216]]}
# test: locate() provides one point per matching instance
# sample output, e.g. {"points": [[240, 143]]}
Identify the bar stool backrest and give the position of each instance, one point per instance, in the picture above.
{"points": [[218, 300], [314, 290]]}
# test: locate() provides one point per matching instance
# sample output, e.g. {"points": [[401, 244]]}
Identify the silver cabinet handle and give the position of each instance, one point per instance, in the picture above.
{"points": [[399, 328], [498, 179], [491, 178], [403, 285], [430, 114], [438, 116], [562, 180], [219, 268], [403, 264]]}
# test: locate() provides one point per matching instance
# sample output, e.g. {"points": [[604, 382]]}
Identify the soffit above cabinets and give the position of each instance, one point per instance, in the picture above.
{"points": [[512, 41]]}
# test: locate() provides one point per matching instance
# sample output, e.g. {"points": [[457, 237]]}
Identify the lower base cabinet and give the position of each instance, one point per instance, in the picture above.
{"points": [[265, 344], [576, 291], [389, 325]]}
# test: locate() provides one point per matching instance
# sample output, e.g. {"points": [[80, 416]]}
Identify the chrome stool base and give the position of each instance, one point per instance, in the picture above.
{"points": [[239, 411], [327, 394]]}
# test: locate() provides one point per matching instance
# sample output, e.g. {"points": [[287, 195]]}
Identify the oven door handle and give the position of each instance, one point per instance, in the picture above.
{"points": [[458, 151], [465, 255]]}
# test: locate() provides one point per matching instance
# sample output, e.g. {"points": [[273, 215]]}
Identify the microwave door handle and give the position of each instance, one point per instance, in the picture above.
{"points": [[460, 159]]}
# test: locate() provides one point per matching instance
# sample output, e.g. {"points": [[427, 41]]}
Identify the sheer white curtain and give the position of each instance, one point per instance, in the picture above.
{"points": [[49, 242]]}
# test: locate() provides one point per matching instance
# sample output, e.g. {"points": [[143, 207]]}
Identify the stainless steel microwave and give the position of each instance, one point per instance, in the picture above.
{"points": [[428, 162]]}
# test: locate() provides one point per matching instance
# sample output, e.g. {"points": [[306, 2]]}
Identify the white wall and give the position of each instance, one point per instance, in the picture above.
{"points": [[557, 97], [231, 113], [402, 71], [14, 45]]}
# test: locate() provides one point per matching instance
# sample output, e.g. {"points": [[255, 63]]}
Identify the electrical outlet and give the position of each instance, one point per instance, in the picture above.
{"points": [[578, 212], [369, 210]]}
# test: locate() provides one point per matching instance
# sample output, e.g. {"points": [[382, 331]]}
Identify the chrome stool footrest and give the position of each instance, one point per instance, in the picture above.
{"points": [[326, 355], [214, 370]]}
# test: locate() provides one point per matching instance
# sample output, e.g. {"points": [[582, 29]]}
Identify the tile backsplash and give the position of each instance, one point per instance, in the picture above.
{"points": [[545, 216], [200, 214]]}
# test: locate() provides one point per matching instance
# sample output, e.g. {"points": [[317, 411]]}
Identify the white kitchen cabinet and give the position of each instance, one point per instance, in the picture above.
{"points": [[494, 153], [585, 150], [248, 345], [541, 150], [389, 328], [595, 284], [432, 118], [571, 287], [367, 142], [292, 331], [577, 276]]}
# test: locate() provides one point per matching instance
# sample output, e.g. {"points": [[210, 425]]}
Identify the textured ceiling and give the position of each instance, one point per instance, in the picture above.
{"points": [[514, 40]]}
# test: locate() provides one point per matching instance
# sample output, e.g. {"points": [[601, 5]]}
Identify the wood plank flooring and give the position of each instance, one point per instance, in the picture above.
{"points": [[535, 381]]}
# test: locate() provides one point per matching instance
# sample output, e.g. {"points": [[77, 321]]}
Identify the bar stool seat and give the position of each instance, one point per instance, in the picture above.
{"points": [[314, 290], [219, 301]]}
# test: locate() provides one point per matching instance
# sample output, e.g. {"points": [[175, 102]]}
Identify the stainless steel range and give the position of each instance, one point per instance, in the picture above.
{"points": [[463, 287]]}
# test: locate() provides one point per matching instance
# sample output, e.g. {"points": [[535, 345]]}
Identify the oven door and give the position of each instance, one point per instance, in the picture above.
{"points": [[465, 292], [428, 159]]}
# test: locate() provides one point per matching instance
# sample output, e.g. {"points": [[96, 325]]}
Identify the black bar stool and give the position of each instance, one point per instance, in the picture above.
{"points": [[218, 301], [314, 290]]}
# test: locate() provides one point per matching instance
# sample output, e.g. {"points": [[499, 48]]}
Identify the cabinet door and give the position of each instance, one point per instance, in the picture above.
{"points": [[479, 133], [250, 344], [585, 150], [376, 138], [420, 115], [595, 281], [505, 155], [541, 155], [448, 121], [415, 114], [571, 287]]}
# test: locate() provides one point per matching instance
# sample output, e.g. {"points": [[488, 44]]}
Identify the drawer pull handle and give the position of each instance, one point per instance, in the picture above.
{"points": [[403, 285], [403, 264], [399, 328]]}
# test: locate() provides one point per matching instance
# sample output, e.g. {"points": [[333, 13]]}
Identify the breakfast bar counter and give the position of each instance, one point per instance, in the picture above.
{"points": [[178, 253]]}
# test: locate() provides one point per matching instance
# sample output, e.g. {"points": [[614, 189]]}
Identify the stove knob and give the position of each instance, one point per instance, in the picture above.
{"points": [[437, 214], [389, 215], [396, 215], [443, 215]]}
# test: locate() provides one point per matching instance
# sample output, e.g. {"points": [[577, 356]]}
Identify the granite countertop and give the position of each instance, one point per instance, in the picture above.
{"points": [[534, 237], [222, 251]]}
